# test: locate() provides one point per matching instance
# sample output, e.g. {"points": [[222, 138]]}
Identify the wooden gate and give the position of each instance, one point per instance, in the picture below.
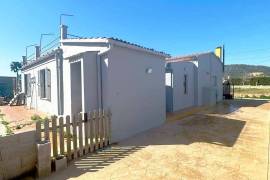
{"points": [[76, 135]]}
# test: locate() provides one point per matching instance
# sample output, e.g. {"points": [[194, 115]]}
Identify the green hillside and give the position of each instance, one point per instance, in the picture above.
{"points": [[243, 70]]}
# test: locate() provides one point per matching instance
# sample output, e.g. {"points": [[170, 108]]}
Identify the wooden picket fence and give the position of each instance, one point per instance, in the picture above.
{"points": [[76, 135]]}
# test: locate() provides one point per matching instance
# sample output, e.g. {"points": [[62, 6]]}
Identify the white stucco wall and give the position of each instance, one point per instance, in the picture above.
{"points": [[35, 102], [209, 66], [76, 87], [136, 99], [180, 99], [72, 48], [89, 76]]}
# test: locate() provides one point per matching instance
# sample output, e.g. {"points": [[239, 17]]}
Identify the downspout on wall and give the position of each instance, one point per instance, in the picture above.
{"points": [[59, 69], [60, 91]]}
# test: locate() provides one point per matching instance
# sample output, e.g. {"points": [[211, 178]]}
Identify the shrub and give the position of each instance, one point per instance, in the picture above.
{"points": [[264, 97], [5, 123], [18, 127], [35, 117]]}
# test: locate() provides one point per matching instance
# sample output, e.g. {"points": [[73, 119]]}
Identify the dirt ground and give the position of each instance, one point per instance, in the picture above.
{"points": [[228, 141], [19, 115]]}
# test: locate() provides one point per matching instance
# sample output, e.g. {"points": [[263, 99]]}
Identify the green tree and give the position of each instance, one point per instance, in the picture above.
{"points": [[16, 67]]}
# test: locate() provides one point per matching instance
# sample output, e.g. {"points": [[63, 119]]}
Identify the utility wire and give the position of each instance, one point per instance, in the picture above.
{"points": [[47, 45], [72, 35]]}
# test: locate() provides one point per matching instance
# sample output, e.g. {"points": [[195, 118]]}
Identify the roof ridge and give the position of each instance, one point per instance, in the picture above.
{"points": [[126, 42], [184, 57]]}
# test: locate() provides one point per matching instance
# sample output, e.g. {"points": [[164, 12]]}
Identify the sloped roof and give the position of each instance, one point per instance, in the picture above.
{"points": [[108, 39], [190, 57]]}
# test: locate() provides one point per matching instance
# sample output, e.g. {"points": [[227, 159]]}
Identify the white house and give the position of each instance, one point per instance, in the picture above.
{"points": [[181, 85], [193, 80], [107, 73]]}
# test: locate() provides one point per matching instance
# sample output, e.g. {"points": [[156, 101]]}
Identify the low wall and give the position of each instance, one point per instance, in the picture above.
{"points": [[17, 154]]}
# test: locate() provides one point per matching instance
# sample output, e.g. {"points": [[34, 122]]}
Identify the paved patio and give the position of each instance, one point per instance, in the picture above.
{"points": [[228, 141]]}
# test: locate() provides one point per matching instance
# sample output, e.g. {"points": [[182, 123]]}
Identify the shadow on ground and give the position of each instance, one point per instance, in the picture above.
{"points": [[96, 161], [197, 128]]}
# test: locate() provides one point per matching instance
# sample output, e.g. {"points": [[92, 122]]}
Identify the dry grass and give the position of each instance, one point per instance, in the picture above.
{"points": [[262, 92]]}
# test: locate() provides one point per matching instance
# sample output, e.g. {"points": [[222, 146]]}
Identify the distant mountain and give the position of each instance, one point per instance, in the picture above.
{"points": [[243, 70]]}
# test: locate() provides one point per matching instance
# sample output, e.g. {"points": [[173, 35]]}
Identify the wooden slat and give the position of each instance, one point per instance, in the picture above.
{"points": [[109, 128], [38, 131], [86, 132], [101, 128], [97, 129], [94, 129], [68, 134], [105, 125], [74, 128], [91, 128], [61, 135], [46, 130], [80, 134], [54, 136]]}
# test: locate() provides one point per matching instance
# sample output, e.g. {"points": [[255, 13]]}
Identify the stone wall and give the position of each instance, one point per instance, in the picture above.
{"points": [[17, 154]]}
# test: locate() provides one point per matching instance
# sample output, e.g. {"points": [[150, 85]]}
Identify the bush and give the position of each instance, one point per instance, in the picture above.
{"points": [[264, 97], [36, 117], [246, 96], [5, 123]]}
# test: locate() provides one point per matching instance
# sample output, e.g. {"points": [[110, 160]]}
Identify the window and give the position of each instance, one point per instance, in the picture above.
{"points": [[27, 84], [185, 84], [215, 81], [168, 79], [44, 85]]}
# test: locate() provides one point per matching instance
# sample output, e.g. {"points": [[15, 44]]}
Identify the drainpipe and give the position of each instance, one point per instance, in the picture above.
{"points": [[59, 72]]}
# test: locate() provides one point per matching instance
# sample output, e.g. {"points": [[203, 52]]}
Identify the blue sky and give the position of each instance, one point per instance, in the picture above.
{"points": [[176, 27]]}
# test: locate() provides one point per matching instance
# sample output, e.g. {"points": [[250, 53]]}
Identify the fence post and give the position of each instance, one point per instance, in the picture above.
{"points": [[101, 128], [61, 135], [86, 132], [80, 134], [74, 128], [54, 136], [109, 127], [68, 134], [105, 128], [38, 131], [97, 129], [46, 130], [91, 123]]}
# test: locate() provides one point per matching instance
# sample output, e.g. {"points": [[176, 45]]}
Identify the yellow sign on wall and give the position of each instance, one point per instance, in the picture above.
{"points": [[218, 52]]}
